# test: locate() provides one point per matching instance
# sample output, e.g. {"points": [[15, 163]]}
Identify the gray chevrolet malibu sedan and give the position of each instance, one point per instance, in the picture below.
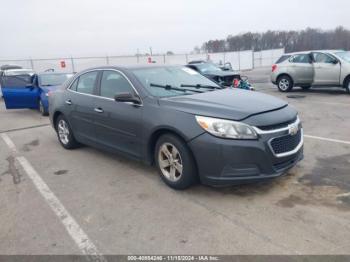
{"points": [[191, 128]]}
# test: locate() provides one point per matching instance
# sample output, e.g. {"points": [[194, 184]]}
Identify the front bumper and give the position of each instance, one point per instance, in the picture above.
{"points": [[223, 162]]}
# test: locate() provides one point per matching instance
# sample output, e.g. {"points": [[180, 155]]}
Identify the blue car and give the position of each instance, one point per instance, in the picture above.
{"points": [[31, 91]]}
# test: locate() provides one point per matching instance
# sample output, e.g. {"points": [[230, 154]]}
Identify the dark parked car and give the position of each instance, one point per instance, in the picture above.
{"points": [[221, 75], [189, 126]]}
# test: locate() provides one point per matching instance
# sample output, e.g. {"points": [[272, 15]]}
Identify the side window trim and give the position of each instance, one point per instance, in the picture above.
{"points": [[132, 89], [325, 54], [291, 59], [123, 75], [77, 79], [96, 90], [74, 83], [97, 87]]}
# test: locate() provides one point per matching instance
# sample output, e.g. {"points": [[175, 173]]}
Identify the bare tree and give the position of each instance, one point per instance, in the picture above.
{"points": [[292, 41]]}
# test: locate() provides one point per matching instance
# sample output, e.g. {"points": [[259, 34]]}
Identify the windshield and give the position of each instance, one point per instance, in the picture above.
{"points": [[207, 67], [344, 55], [175, 76], [53, 79]]}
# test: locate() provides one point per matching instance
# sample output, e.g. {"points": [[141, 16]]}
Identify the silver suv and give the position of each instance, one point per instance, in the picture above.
{"points": [[312, 68]]}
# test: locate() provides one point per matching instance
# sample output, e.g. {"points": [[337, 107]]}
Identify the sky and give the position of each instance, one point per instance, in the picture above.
{"points": [[54, 28]]}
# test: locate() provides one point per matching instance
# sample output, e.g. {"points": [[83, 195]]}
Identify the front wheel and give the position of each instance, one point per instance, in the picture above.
{"points": [[347, 85], [284, 84], [65, 133], [175, 162], [42, 109]]}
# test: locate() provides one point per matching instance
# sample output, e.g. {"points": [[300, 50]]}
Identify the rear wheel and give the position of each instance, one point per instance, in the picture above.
{"points": [[65, 133], [284, 83], [175, 162]]}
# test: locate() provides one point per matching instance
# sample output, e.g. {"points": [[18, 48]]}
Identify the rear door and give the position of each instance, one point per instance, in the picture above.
{"points": [[79, 103], [327, 69], [301, 69], [20, 91]]}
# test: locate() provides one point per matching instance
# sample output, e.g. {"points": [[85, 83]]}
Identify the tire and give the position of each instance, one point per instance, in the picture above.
{"points": [[178, 170], [65, 133], [285, 83], [347, 85], [306, 87], [42, 109]]}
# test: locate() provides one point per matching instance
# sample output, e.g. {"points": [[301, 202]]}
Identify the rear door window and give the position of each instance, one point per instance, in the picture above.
{"points": [[74, 85], [86, 83], [282, 59], [302, 58]]}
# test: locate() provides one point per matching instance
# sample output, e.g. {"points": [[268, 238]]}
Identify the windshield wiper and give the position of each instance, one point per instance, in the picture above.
{"points": [[169, 87], [202, 86]]}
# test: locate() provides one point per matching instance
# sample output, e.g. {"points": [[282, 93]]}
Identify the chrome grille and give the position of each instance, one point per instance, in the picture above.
{"points": [[285, 144]]}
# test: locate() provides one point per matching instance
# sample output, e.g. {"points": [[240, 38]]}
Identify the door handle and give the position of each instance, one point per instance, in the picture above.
{"points": [[68, 102], [98, 110]]}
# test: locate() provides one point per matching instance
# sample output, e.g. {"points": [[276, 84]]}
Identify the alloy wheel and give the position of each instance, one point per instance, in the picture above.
{"points": [[284, 84], [63, 131], [170, 162]]}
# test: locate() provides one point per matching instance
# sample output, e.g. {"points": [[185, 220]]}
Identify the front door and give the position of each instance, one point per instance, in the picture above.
{"points": [[327, 69], [20, 92], [118, 124]]}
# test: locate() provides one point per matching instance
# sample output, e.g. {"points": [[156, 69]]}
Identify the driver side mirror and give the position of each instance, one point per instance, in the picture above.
{"points": [[127, 97], [335, 62]]}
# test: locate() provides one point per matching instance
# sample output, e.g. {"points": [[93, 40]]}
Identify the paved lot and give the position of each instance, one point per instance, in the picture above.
{"points": [[124, 208]]}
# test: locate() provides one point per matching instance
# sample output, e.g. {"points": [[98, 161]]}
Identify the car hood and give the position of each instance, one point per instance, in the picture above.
{"points": [[222, 73], [234, 104]]}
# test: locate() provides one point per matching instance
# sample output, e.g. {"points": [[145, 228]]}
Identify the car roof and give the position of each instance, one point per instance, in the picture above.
{"points": [[12, 72], [19, 70], [197, 62], [310, 51], [130, 67], [9, 67], [54, 73]]}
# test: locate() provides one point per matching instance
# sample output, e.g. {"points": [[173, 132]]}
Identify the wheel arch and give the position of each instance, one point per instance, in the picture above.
{"points": [[284, 74], [55, 116], [346, 79], [156, 134]]}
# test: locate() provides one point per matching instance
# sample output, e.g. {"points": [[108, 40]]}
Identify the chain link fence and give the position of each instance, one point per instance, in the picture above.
{"points": [[243, 60]]}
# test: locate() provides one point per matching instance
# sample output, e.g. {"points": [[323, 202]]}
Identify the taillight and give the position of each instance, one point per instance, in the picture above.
{"points": [[274, 67]]}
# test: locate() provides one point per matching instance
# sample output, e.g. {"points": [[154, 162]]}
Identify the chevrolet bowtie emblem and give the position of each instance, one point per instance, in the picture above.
{"points": [[293, 129]]}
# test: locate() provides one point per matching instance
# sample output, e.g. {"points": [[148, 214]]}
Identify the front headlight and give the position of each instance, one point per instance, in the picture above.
{"points": [[226, 128]]}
